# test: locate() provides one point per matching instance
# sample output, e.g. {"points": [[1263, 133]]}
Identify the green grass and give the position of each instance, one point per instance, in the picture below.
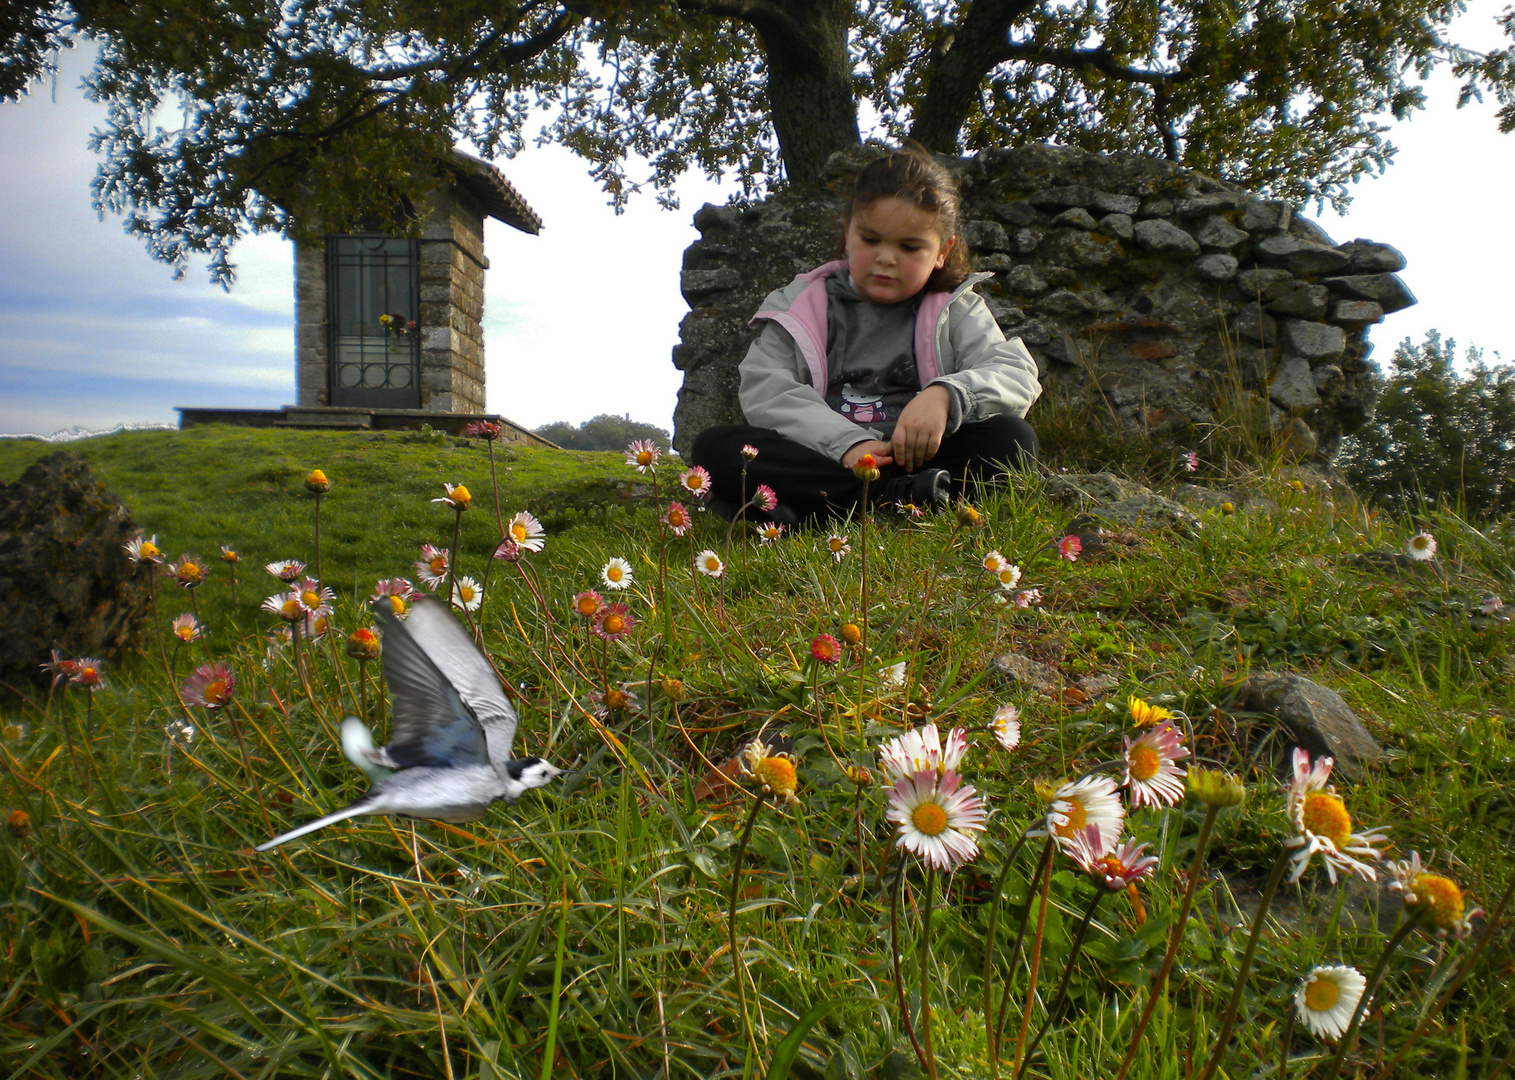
{"points": [[583, 932]]}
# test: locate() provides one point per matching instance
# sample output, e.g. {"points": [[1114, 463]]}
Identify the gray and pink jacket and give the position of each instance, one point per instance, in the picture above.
{"points": [[957, 343]]}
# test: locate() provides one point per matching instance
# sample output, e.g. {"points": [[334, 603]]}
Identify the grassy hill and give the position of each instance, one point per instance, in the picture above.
{"points": [[587, 930]]}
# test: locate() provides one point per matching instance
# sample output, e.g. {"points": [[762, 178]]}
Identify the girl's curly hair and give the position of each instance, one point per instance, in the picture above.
{"points": [[912, 175]]}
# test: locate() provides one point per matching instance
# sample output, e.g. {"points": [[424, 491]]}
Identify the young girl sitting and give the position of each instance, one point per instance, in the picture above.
{"points": [[888, 352]]}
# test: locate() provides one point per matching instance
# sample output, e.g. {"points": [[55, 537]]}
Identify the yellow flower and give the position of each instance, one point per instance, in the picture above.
{"points": [[851, 633], [1143, 712], [774, 773], [673, 689], [316, 483], [363, 644], [20, 824], [1433, 902], [968, 517]]}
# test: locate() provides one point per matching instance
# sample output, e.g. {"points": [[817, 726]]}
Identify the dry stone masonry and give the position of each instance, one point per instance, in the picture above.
{"points": [[1144, 290]]}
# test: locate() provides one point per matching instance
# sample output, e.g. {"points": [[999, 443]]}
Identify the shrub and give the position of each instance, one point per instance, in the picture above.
{"points": [[604, 432], [1439, 435]]}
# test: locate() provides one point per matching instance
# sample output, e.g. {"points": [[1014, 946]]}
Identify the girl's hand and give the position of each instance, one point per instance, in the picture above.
{"points": [[918, 432], [879, 450]]}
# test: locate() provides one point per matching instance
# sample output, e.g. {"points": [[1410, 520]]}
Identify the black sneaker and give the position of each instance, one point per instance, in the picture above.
{"points": [[928, 489]]}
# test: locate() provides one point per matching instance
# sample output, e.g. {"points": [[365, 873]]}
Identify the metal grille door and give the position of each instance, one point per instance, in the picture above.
{"points": [[374, 365]]}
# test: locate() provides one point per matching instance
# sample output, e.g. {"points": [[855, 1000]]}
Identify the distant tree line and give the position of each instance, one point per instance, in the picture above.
{"points": [[603, 432], [1439, 435]]}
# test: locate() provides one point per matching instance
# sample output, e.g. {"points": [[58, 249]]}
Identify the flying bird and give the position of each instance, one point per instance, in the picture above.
{"points": [[449, 757]]}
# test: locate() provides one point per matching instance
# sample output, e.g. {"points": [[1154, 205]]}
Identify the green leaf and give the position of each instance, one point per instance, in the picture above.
{"points": [[789, 1046]]}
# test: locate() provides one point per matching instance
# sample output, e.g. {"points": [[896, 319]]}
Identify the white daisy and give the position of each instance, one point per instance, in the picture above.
{"points": [[1151, 772], [1327, 999], [466, 594], [1006, 726], [1323, 824], [920, 750], [1421, 547], [526, 532], [994, 562], [616, 574], [838, 545], [1090, 801], [709, 563], [935, 816], [1009, 576]]}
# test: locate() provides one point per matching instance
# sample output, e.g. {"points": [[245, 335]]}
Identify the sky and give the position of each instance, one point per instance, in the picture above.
{"points": [[581, 319]]}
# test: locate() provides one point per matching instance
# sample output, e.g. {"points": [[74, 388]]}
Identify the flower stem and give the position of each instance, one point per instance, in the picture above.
{"points": [[495, 485], [920, 624], [1284, 1044], [1228, 1018], [1044, 866], [899, 975], [926, 975], [1062, 990], [452, 558], [1350, 1038], [1036, 960], [318, 535], [862, 549], [736, 957], [1175, 937], [991, 1033]]}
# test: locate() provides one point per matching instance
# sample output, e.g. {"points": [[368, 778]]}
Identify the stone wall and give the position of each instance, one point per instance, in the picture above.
{"points": [[312, 340], [452, 266], [1152, 293]]}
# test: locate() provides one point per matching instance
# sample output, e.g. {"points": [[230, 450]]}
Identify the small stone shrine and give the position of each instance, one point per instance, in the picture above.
{"points": [[389, 329]]}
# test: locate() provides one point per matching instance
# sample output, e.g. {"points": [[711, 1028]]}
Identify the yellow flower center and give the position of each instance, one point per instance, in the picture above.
{"points": [[290, 609], [712, 564], [186, 633], [614, 624], [991, 563], [397, 605], [694, 483], [311, 600], [465, 594], [1438, 901], [851, 634], [616, 700], [1143, 761], [517, 533], [1326, 815], [215, 692], [148, 549], [835, 543], [588, 606], [614, 573], [1322, 995], [1077, 815], [644, 457], [1007, 576], [777, 775], [230, 556], [438, 564], [930, 819]]}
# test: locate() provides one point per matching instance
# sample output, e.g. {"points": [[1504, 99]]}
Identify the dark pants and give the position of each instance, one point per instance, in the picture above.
{"points": [[811, 485]]}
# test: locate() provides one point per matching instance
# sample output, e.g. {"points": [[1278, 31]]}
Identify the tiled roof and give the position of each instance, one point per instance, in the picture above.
{"points": [[500, 199]]}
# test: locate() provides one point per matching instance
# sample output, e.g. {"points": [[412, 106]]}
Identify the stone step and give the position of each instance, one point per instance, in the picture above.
{"points": [[344, 421]]}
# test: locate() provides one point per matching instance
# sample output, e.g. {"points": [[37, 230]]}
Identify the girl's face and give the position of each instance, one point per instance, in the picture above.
{"points": [[892, 248]]}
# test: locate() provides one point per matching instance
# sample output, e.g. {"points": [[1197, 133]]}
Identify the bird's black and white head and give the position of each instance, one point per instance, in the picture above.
{"points": [[523, 774]]}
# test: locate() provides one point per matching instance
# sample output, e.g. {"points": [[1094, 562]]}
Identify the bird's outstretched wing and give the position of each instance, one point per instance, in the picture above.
{"points": [[433, 725], [447, 644]]}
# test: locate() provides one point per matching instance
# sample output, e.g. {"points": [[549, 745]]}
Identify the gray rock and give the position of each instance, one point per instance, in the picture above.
{"points": [[1197, 205], [1256, 325], [1298, 441], [1216, 267], [1026, 281], [1303, 302], [1075, 247], [1156, 208], [1385, 290], [1218, 234], [1366, 257], [984, 235], [1077, 218], [65, 582], [1214, 498], [1065, 304], [1299, 256], [1032, 332], [997, 263], [1088, 489], [1316, 719], [1139, 511], [1264, 283], [1119, 226], [1018, 213], [1313, 340], [1165, 238], [1028, 239], [1328, 379], [698, 284], [1107, 202], [1060, 198], [1355, 314], [1023, 669], [1004, 313], [1261, 215], [1293, 386]]}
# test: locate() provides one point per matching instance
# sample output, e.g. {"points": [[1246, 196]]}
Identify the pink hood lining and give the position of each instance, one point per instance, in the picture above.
{"points": [[806, 323]]}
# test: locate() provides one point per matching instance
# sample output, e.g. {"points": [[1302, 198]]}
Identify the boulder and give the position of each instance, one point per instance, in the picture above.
{"points": [[65, 581], [1316, 718]]}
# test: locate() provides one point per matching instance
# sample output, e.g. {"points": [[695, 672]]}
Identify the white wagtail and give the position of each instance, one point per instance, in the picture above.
{"points": [[449, 757]]}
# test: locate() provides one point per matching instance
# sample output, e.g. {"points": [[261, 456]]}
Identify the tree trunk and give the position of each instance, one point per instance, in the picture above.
{"points": [[810, 94], [960, 63]]}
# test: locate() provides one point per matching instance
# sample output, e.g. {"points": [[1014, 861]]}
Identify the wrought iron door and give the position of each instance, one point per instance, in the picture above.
{"points": [[374, 320]]}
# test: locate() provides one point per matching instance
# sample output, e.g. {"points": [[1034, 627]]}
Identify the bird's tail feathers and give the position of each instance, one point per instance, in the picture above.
{"points": [[354, 810], [358, 747]]}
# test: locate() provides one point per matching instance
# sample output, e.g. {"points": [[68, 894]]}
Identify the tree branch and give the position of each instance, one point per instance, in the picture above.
{"points": [[1098, 59], [962, 56]]}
